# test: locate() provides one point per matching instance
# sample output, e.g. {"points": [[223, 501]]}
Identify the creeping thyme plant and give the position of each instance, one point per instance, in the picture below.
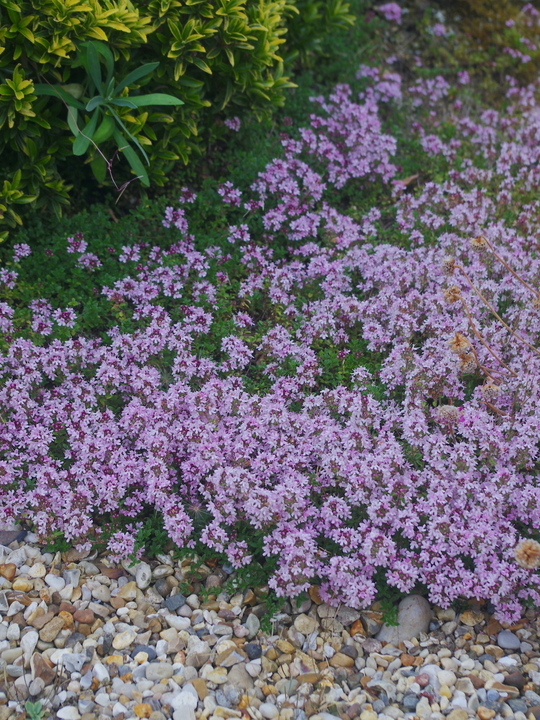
{"points": [[352, 395]]}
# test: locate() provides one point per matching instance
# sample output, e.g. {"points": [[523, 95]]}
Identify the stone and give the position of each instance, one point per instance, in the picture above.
{"points": [[28, 644], [516, 679], [446, 677], [340, 660], [22, 584], [471, 617], [159, 670], [305, 624], [183, 699], [55, 582], [8, 570], [508, 640], [49, 631], [268, 711], [143, 575], [485, 713], [200, 686], [68, 712], [512, 692], [215, 675], [148, 650], [174, 602], [252, 650], [414, 615], [73, 662], [177, 622], [458, 714], [253, 625], [239, 677], [128, 591], [142, 710], [372, 622], [41, 669], [101, 593], [124, 639], [84, 616]]}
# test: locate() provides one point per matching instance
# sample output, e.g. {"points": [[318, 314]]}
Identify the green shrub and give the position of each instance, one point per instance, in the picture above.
{"points": [[208, 54]]}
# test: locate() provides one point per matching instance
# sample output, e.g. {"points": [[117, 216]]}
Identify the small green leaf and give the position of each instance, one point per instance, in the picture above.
{"points": [[94, 67], [94, 103], [135, 75], [72, 118], [155, 99], [83, 140], [132, 158], [99, 168], [58, 92], [123, 102]]}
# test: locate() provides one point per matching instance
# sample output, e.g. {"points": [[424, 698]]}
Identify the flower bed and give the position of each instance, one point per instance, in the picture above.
{"points": [[357, 412]]}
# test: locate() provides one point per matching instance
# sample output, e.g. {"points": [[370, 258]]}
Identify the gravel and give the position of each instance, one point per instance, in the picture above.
{"points": [[91, 640]]}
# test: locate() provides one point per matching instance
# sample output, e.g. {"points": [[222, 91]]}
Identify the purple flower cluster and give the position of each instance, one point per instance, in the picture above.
{"points": [[425, 470]]}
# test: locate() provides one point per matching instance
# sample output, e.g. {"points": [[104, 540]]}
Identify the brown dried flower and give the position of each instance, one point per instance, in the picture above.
{"points": [[448, 265], [527, 554], [459, 344], [452, 294], [448, 413], [536, 302], [479, 243], [467, 363], [490, 390]]}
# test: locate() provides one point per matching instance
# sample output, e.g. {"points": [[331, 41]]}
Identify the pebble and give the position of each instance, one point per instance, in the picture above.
{"points": [[128, 650]]}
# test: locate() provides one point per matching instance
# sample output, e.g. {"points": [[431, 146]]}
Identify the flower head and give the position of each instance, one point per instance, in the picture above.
{"points": [[448, 413], [448, 265], [459, 344], [452, 294], [527, 554], [479, 243]]}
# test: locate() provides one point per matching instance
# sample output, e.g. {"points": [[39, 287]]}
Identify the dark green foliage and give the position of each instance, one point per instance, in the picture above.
{"points": [[194, 58]]}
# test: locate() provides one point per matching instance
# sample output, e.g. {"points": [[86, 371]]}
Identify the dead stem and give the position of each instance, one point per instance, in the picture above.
{"points": [[492, 309]]}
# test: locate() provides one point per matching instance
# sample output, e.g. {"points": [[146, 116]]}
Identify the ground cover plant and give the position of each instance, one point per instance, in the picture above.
{"points": [[348, 396]]}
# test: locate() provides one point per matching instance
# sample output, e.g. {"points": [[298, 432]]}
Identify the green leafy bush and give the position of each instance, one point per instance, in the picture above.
{"points": [[207, 54]]}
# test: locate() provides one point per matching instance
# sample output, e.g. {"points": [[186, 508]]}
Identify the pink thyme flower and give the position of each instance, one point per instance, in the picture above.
{"points": [[391, 12]]}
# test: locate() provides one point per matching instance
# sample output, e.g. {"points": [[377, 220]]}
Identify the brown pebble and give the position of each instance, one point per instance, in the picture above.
{"points": [[84, 616], [314, 596], [407, 660], [42, 668], [309, 677], [84, 629], [493, 627], [477, 682], [117, 602], [22, 584], [8, 570], [142, 710], [200, 686], [357, 628], [485, 713], [66, 606], [113, 573], [67, 618], [41, 620], [422, 679], [516, 679], [340, 660], [511, 690], [49, 631]]}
